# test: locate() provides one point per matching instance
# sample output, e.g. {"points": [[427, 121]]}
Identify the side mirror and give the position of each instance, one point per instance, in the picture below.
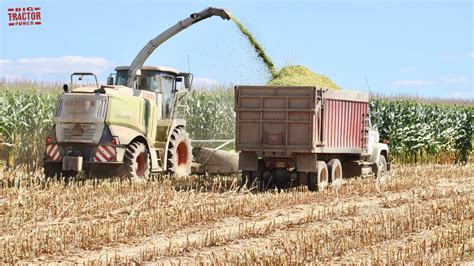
{"points": [[110, 80], [187, 82], [65, 87]]}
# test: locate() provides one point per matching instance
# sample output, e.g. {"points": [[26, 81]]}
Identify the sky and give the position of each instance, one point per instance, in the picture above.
{"points": [[418, 48]]}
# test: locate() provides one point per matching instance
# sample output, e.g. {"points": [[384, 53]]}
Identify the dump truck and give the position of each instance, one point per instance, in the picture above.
{"points": [[128, 127], [296, 135]]}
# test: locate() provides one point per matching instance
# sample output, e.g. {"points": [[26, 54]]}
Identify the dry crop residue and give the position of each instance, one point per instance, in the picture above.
{"points": [[420, 214]]}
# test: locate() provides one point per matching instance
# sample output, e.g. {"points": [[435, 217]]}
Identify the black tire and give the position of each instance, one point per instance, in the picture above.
{"points": [[246, 179], [312, 181], [180, 155], [323, 176], [302, 178], [334, 170], [137, 162], [52, 170], [381, 167]]}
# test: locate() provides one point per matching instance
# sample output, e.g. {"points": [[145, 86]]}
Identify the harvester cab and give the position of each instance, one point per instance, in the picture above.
{"points": [[167, 83]]}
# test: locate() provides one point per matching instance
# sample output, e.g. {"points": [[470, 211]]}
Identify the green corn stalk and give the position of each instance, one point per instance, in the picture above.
{"points": [[417, 132]]}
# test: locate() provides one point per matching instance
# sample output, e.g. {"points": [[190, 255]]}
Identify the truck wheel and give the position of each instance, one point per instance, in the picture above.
{"points": [[334, 170], [312, 181], [180, 153], [302, 178], [323, 176], [381, 168], [246, 179], [137, 161]]}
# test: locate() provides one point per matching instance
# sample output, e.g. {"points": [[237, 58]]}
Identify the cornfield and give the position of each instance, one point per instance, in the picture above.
{"points": [[25, 119], [417, 132], [425, 132]]}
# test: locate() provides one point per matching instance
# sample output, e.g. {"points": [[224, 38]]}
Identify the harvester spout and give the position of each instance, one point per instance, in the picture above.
{"points": [[148, 49], [211, 11]]}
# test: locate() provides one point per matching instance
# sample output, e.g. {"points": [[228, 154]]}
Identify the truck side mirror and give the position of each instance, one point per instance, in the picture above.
{"points": [[65, 87]]}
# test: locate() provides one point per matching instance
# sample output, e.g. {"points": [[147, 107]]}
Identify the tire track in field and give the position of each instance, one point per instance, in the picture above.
{"points": [[303, 242], [423, 247]]}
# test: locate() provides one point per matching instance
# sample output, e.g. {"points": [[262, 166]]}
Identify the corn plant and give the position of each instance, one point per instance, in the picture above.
{"points": [[424, 132], [419, 130], [25, 119]]}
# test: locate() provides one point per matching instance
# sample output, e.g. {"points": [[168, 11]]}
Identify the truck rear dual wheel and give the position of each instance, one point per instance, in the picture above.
{"points": [[334, 170], [318, 181], [180, 153], [137, 162]]}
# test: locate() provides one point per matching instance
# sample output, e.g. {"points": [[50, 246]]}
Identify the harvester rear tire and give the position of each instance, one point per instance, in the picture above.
{"points": [[52, 170], [136, 161], [180, 154]]}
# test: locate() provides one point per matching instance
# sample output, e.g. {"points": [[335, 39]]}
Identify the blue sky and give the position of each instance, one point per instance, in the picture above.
{"points": [[422, 48]]}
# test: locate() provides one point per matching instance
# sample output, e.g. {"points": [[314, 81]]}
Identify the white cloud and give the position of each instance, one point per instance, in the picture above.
{"points": [[203, 82], [471, 55], [414, 83], [40, 66], [5, 62], [450, 80], [446, 56]]}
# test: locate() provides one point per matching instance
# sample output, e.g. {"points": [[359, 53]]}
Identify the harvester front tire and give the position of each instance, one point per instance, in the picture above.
{"points": [[137, 161], [180, 155]]}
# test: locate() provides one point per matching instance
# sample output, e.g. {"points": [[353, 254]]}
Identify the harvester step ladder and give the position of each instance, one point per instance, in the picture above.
{"points": [[159, 156]]}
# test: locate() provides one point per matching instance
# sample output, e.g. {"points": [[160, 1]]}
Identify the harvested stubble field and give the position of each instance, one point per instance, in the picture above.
{"points": [[418, 214]]}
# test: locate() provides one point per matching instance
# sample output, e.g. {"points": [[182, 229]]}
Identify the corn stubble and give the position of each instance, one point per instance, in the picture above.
{"points": [[419, 214]]}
